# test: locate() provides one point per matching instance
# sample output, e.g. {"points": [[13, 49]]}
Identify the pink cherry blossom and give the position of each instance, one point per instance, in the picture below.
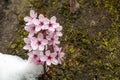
{"points": [[59, 55], [38, 43], [57, 30], [32, 35], [49, 58], [30, 28], [52, 24], [53, 39], [32, 18], [42, 23], [34, 56], [27, 46], [55, 47]]}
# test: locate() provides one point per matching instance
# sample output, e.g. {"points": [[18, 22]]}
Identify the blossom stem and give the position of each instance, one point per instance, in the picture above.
{"points": [[44, 67], [44, 62]]}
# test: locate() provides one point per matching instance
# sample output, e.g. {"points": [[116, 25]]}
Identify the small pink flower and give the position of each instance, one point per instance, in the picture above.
{"points": [[49, 58], [53, 39], [39, 42], [52, 24], [56, 47], [34, 57], [57, 30], [32, 18], [32, 35], [30, 28], [59, 55], [42, 23], [27, 46]]}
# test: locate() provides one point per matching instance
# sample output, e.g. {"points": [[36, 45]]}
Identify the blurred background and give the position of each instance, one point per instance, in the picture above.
{"points": [[91, 35]]}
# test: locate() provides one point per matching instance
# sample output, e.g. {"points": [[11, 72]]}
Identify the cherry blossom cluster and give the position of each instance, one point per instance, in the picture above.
{"points": [[42, 41]]}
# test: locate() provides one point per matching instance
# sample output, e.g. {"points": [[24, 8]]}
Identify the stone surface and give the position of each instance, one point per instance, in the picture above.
{"points": [[11, 13]]}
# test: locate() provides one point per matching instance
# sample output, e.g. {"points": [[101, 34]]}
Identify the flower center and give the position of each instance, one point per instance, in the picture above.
{"points": [[52, 39], [39, 42], [49, 57], [33, 28], [35, 56], [39, 61], [41, 23], [34, 35], [50, 24]]}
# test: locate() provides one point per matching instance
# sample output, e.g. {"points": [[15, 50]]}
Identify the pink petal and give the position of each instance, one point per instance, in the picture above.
{"points": [[44, 27], [51, 29], [27, 28], [31, 34], [41, 47], [59, 61], [55, 25], [43, 58], [33, 40], [46, 22], [29, 23], [48, 62], [56, 48], [62, 54], [36, 52], [59, 34], [44, 42], [57, 42], [27, 40], [27, 19], [53, 19], [38, 28], [47, 52], [54, 61], [54, 54], [41, 16], [48, 37], [35, 21], [40, 36], [59, 28], [34, 45], [27, 47], [33, 14]]}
